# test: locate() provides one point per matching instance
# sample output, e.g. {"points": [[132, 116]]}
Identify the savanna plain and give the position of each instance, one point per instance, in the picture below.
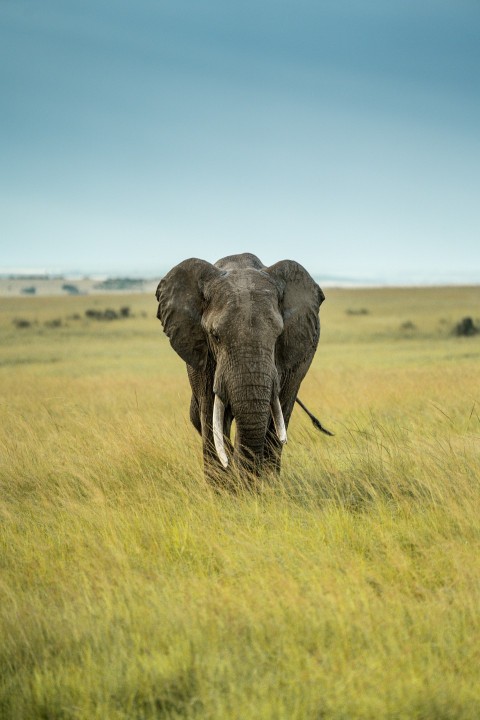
{"points": [[349, 587]]}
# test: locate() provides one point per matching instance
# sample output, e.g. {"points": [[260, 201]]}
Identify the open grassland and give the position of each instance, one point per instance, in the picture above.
{"points": [[348, 588]]}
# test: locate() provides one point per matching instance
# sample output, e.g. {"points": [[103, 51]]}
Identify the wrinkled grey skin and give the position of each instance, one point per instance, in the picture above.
{"points": [[247, 333]]}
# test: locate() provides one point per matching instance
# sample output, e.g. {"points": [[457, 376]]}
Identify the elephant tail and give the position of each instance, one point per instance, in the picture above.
{"points": [[314, 420]]}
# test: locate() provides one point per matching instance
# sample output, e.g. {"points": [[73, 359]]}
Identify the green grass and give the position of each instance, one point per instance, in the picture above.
{"points": [[347, 588]]}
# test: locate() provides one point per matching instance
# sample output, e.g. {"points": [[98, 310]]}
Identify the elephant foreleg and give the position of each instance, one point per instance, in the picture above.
{"points": [[288, 393], [212, 466], [272, 452], [195, 415]]}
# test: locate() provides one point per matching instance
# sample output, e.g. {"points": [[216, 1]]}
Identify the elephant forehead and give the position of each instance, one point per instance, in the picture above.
{"points": [[241, 305], [244, 286]]}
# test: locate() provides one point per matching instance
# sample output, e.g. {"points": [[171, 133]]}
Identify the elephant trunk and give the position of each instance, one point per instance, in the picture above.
{"points": [[251, 403], [251, 421]]}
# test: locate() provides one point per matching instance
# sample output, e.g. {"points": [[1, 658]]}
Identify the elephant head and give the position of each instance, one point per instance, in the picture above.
{"points": [[248, 334]]}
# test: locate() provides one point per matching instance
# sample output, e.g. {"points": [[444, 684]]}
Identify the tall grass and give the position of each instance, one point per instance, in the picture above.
{"points": [[346, 588]]}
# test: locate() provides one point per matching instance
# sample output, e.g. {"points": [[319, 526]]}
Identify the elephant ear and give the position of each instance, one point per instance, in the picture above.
{"points": [[300, 300], [180, 304]]}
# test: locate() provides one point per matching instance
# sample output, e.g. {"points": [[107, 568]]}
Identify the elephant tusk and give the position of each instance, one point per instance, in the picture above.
{"points": [[278, 420], [218, 413]]}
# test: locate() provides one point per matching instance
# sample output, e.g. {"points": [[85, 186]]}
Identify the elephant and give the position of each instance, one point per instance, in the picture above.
{"points": [[248, 334]]}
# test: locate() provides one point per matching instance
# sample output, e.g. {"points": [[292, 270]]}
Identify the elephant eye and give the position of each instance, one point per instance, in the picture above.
{"points": [[215, 335]]}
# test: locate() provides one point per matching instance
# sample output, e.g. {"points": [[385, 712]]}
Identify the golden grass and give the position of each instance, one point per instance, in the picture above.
{"points": [[348, 588]]}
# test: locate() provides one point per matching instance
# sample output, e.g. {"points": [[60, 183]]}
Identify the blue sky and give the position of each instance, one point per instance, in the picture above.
{"points": [[342, 134]]}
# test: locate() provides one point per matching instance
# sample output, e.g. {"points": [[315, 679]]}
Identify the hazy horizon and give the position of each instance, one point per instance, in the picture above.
{"points": [[345, 280]]}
